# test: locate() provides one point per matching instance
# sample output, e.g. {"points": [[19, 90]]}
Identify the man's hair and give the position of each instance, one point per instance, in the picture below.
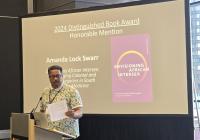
{"points": [[54, 67]]}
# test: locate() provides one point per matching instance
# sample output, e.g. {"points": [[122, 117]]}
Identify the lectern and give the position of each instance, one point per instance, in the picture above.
{"points": [[22, 127], [46, 134]]}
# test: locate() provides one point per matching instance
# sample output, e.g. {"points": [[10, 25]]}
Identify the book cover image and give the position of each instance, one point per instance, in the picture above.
{"points": [[131, 68]]}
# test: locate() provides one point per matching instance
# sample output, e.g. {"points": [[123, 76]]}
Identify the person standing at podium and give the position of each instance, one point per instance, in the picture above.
{"points": [[58, 92]]}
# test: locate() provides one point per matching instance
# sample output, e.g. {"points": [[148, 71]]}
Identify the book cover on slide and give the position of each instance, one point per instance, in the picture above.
{"points": [[131, 68]]}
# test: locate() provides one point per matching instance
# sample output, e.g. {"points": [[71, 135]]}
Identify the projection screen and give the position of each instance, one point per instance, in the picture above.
{"points": [[124, 60]]}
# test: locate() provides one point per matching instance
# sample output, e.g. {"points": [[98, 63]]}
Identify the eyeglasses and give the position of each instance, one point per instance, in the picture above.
{"points": [[55, 76]]}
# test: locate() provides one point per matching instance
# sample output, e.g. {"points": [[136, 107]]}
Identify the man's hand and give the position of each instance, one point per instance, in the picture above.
{"points": [[70, 113], [75, 113]]}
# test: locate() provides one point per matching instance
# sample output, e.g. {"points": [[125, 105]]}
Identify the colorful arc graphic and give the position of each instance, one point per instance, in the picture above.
{"points": [[134, 53]]}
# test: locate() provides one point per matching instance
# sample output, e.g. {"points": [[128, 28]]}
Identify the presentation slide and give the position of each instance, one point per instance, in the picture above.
{"points": [[124, 60]]}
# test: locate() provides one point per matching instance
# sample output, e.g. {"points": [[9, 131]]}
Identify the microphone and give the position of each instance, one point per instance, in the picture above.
{"points": [[34, 109]]}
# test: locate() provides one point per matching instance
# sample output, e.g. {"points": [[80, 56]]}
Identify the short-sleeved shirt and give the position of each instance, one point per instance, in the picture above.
{"points": [[73, 98]]}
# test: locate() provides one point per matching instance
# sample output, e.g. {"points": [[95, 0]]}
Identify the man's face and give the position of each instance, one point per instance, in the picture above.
{"points": [[56, 78]]}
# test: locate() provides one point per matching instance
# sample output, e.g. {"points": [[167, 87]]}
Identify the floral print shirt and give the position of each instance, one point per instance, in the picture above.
{"points": [[73, 98]]}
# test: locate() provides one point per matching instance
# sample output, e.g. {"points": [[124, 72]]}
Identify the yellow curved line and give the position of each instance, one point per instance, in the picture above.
{"points": [[131, 52]]}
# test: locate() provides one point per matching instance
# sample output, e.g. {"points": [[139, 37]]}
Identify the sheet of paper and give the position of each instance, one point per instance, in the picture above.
{"points": [[57, 110]]}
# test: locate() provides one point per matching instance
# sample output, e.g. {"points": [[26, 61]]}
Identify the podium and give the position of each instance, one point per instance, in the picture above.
{"points": [[46, 134], [23, 128]]}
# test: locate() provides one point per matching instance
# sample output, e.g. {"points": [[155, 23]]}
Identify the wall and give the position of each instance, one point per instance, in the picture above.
{"points": [[13, 7], [10, 83]]}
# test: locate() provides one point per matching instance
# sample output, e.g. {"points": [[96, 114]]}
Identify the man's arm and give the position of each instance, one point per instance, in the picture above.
{"points": [[75, 113]]}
